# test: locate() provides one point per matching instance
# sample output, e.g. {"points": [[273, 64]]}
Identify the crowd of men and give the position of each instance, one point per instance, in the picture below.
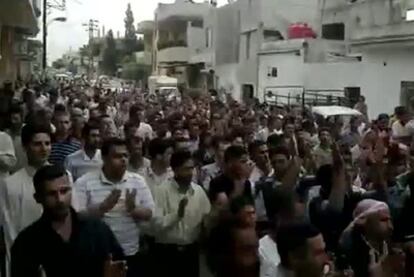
{"points": [[97, 183]]}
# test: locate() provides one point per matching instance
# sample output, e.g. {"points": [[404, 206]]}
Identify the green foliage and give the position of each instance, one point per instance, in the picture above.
{"points": [[58, 64], [109, 55], [134, 71], [130, 40]]}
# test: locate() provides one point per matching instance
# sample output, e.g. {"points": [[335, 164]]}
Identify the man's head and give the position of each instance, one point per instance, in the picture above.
{"points": [[243, 209], [53, 191], [383, 121], [220, 145], [285, 207], [302, 249], [193, 128], [91, 136], [62, 122], [182, 164], [289, 127], [325, 136], [37, 143], [233, 249], [236, 161], [160, 151], [107, 127], [136, 114], [259, 154], [16, 117], [135, 144], [402, 114], [115, 156], [279, 158]]}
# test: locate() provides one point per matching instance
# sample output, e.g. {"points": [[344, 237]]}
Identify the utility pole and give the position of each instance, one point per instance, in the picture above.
{"points": [[46, 9], [92, 26]]}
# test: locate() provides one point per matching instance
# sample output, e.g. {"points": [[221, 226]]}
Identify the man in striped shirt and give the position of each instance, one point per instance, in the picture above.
{"points": [[63, 144], [121, 198]]}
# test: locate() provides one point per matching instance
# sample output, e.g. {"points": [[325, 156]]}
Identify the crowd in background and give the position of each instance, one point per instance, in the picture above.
{"points": [[97, 182]]}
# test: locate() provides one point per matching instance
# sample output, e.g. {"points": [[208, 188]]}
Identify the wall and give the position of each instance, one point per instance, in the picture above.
{"points": [[7, 61], [228, 79], [384, 69]]}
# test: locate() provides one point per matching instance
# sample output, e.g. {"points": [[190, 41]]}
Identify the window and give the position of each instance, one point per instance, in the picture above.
{"points": [[248, 36], [272, 72], [334, 31], [272, 35], [409, 16]]}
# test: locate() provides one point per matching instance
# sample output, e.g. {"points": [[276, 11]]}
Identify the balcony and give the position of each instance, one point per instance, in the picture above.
{"points": [[143, 58], [174, 54], [20, 15], [182, 10]]}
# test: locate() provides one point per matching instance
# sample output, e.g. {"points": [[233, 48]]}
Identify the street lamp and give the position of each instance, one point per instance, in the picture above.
{"points": [[45, 24]]}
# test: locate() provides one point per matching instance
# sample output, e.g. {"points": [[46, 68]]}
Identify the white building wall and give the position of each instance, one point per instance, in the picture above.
{"points": [[384, 69], [227, 80]]}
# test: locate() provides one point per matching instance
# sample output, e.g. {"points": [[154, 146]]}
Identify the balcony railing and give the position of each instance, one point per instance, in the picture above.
{"points": [[168, 44]]}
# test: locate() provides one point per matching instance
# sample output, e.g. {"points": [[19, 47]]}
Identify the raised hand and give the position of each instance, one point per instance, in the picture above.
{"points": [[110, 201]]}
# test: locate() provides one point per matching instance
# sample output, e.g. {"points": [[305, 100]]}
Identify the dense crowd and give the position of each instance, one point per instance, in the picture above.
{"points": [[105, 183]]}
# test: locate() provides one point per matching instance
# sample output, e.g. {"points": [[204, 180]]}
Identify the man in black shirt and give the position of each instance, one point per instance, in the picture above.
{"points": [[234, 182], [63, 243]]}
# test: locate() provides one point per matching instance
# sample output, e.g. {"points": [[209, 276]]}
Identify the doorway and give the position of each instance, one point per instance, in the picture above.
{"points": [[407, 95]]}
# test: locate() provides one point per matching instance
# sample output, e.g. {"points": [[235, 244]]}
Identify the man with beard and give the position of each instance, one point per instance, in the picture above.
{"points": [[63, 243], [182, 207]]}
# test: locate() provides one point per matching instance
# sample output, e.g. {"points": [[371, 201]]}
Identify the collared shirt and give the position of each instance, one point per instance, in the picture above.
{"points": [[17, 204], [93, 188], [154, 181], [145, 131], [256, 176], [40, 246], [60, 150], [7, 156], [142, 169], [168, 227], [322, 156], [208, 173], [269, 257], [78, 163]]}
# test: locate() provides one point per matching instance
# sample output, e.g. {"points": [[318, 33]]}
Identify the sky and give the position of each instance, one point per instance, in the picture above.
{"points": [[63, 36]]}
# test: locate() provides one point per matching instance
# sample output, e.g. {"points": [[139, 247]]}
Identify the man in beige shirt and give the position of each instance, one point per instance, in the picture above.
{"points": [[181, 208], [322, 154]]}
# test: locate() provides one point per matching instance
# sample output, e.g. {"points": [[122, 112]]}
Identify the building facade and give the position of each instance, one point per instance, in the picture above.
{"points": [[18, 20]]}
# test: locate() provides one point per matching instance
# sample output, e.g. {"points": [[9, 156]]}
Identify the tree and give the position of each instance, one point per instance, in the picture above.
{"points": [[58, 64], [109, 55], [130, 40]]}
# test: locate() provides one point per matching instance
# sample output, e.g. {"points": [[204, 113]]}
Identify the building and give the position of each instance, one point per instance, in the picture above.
{"points": [[178, 33], [146, 29], [382, 35], [18, 20]]}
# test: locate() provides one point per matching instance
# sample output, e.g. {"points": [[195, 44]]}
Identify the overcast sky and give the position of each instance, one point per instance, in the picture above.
{"points": [[111, 13]]}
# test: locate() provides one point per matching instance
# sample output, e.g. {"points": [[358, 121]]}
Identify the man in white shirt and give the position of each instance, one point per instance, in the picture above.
{"points": [[7, 156], [137, 162], [403, 128], [136, 116], [274, 126], [88, 158], [121, 198], [17, 205], [160, 151], [182, 207], [211, 171]]}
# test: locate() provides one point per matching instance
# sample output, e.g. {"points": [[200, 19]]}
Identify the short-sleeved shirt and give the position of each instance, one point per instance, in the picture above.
{"points": [[78, 163], [93, 188], [62, 149], [222, 183], [40, 246]]}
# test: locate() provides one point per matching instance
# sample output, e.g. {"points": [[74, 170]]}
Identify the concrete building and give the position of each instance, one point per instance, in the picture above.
{"points": [[18, 20], [146, 29], [378, 31], [178, 33]]}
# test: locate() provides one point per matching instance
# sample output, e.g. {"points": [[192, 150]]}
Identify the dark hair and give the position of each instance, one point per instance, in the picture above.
{"points": [[60, 109], [293, 238], [217, 140], [45, 174], [255, 145], [158, 146], [88, 128], [279, 150], [324, 129], [179, 158], [282, 203], [289, 120], [238, 203], [400, 110], [234, 152], [274, 140], [134, 109], [128, 126], [109, 143], [16, 109], [31, 129]]}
